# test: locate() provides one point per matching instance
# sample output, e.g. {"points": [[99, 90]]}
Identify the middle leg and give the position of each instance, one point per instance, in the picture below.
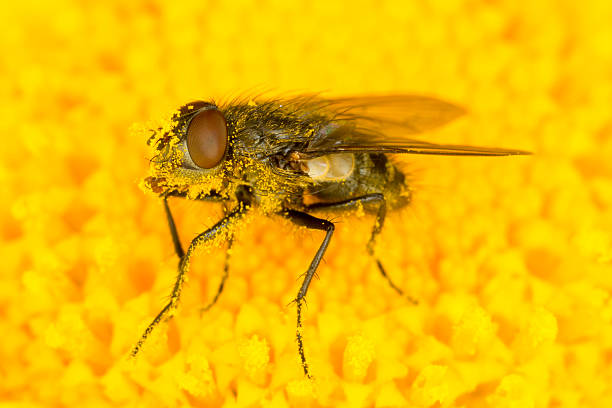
{"points": [[368, 199], [308, 221]]}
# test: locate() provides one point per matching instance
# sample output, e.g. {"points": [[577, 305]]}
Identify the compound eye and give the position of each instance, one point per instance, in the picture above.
{"points": [[207, 138]]}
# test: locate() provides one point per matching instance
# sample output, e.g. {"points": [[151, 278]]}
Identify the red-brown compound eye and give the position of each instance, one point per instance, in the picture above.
{"points": [[207, 138]]}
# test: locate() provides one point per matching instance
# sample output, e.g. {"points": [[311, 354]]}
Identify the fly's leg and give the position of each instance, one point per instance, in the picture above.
{"points": [[216, 231], [223, 278], [228, 251], [368, 199], [178, 248], [308, 221]]}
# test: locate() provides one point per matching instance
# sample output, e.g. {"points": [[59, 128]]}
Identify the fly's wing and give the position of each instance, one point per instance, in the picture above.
{"points": [[362, 125], [412, 113]]}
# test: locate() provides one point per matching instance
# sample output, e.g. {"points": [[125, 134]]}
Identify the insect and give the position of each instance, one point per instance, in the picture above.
{"points": [[272, 155]]}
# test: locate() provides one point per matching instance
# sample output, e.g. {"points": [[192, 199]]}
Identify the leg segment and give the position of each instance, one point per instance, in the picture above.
{"points": [[369, 199], [308, 221], [178, 248], [206, 308], [222, 227]]}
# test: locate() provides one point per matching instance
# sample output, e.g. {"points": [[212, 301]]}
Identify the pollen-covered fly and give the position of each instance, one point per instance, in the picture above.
{"points": [[270, 155]]}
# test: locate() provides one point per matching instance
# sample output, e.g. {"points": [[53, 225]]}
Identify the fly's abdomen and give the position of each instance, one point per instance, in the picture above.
{"points": [[343, 176]]}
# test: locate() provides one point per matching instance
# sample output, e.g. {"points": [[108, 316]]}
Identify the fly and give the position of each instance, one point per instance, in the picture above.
{"points": [[293, 158]]}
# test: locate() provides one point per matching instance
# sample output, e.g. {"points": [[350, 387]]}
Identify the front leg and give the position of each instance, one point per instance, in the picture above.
{"points": [[308, 221], [228, 252], [178, 248], [222, 227]]}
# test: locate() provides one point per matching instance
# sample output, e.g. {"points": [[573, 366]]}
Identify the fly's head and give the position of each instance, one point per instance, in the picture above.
{"points": [[193, 154]]}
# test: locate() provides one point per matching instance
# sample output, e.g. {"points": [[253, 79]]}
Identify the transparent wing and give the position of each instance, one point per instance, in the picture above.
{"points": [[363, 125], [412, 113]]}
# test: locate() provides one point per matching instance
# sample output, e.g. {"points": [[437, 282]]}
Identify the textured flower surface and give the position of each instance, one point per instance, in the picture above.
{"points": [[510, 258]]}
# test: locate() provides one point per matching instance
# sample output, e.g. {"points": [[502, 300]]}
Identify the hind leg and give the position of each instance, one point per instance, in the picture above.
{"points": [[369, 199]]}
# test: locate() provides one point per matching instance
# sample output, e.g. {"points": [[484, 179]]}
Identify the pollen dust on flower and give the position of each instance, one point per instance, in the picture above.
{"points": [[509, 258]]}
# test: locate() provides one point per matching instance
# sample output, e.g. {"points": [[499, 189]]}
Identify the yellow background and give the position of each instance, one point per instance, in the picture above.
{"points": [[509, 257]]}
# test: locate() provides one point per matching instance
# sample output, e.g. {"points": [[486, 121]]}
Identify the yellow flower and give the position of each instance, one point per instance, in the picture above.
{"points": [[509, 258]]}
